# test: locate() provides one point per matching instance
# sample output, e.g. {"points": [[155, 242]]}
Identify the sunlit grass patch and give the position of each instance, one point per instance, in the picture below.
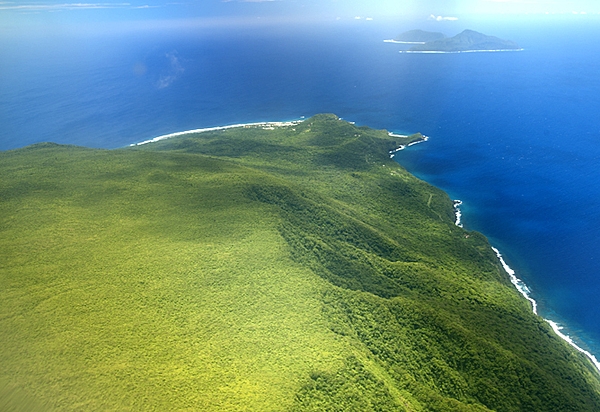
{"points": [[298, 268]]}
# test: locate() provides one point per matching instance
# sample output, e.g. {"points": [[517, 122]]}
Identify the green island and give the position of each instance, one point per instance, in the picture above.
{"points": [[466, 41], [293, 268]]}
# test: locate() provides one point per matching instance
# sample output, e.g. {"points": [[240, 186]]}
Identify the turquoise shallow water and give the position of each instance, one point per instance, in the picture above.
{"points": [[515, 136]]}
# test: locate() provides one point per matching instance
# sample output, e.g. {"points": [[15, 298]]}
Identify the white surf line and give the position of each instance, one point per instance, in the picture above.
{"points": [[525, 291], [403, 42], [396, 135], [557, 329], [402, 146], [458, 51], [265, 125], [424, 139], [519, 284], [457, 212]]}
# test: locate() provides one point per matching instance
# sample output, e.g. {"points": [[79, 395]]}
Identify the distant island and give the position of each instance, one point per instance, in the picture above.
{"points": [[466, 41], [419, 36]]}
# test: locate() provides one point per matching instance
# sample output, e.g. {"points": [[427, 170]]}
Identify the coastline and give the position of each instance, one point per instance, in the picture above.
{"points": [[526, 293], [264, 125], [457, 213], [458, 51], [518, 283], [403, 42], [445, 52], [402, 146]]}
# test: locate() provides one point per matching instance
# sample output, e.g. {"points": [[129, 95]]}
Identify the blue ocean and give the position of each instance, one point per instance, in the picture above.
{"points": [[514, 135]]}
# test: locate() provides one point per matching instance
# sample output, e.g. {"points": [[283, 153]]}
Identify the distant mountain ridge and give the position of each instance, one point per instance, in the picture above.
{"points": [[468, 40], [419, 36]]}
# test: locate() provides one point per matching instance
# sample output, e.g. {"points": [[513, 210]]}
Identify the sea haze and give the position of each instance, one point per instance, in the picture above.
{"points": [[515, 136]]}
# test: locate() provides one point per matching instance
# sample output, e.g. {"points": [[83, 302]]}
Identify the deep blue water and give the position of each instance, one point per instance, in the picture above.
{"points": [[516, 136]]}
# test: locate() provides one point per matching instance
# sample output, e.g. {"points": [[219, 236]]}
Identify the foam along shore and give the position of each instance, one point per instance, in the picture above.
{"points": [[526, 292], [458, 51], [402, 147], [264, 125], [522, 287], [457, 212], [519, 284], [557, 329], [403, 42]]}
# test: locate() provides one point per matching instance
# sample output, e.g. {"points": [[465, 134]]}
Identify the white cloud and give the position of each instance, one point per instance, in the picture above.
{"points": [[441, 18], [175, 70], [67, 6]]}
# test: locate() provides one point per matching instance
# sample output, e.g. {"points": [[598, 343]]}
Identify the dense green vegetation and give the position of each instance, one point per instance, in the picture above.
{"points": [[294, 269]]}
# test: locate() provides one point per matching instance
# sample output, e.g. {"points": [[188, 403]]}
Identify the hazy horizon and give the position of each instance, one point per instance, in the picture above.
{"points": [[53, 17]]}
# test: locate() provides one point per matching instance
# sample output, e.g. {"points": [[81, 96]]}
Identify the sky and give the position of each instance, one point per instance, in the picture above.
{"points": [[43, 20], [15, 14]]}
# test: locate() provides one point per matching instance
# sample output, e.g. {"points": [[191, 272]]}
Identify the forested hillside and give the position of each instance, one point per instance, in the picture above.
{"points": [[292, 268]]}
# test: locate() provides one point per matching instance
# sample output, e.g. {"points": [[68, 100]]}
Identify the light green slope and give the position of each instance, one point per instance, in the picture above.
{"points": [[262, 270], [131, 282]]}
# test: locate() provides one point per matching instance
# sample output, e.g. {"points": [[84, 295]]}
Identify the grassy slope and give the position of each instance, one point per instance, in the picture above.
{"points": [[247, 269]]}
